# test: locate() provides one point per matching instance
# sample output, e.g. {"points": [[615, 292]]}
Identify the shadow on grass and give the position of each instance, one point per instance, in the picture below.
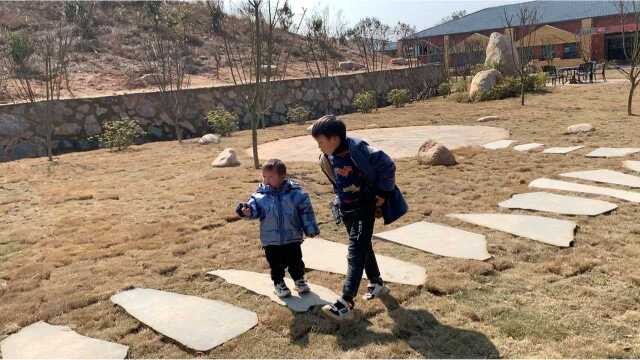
{"points": [[419, 328]]}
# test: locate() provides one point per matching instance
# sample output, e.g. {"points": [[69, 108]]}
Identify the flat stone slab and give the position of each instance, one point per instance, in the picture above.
{"points": [[586, 189], [606, 176], [632, 165], [329, 256], [528, 147], [546, 230], [43, 341], [440, 240], [562, 150], [497, 145], [559, 204], [399, 142], [197, 323], [262, 284], [612, 152]]}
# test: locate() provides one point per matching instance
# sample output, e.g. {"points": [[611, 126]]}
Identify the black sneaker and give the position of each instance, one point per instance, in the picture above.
{"points": [[340, 310], [375, 290]]}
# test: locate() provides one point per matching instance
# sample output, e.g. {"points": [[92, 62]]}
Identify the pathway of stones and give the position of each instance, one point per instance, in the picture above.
{"points": [[202, 324]]}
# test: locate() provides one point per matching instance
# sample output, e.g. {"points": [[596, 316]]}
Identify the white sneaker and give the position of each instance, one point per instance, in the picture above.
{"points": [[375, 290], [282, 290], [340, 310], [302, 287]]}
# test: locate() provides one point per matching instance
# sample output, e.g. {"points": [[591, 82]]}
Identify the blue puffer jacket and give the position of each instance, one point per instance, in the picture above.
{"points": [[285, 214]]}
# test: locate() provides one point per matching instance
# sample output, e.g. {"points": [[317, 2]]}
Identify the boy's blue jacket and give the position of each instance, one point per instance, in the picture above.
{"points": [[380, 172], [285, 214]]}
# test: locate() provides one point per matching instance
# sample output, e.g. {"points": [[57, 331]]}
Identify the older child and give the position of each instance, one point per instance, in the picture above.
{"points": [[286, 215], [363, 179]]}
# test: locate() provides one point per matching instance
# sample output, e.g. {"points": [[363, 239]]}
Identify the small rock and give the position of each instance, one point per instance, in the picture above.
{"points": [[399, 61], [227, 158], [488, 118], [310, 128], [372, 126], [185, 199], [580, 128], [432, 153], [209, 139]]}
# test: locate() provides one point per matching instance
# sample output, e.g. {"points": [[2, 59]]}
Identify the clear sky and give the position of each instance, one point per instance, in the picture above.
{"points": [[420, 13]]}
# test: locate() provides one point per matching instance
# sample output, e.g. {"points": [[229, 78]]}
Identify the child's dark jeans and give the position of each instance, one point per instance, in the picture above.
{"points": [[281, 257], [359, 224]]}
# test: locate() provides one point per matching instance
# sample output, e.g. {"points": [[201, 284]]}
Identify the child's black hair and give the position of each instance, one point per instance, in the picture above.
{"points": [[329, 126], [276, 165]]}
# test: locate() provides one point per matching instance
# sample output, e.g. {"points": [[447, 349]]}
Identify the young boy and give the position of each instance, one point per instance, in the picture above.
{"points": [[363, 179], [286, 215]]}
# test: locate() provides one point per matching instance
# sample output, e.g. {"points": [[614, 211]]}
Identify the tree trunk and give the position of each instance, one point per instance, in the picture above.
{"points": [[630, 100], [522, 88]]}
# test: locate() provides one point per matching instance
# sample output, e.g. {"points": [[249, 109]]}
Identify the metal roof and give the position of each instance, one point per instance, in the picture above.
{"points": [[548, 11]]}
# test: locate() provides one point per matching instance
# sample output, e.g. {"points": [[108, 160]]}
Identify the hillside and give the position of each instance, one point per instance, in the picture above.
{"points": [[111, 62]]}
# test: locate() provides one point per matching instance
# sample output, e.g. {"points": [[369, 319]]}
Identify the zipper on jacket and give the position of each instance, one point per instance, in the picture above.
{"points": [[280, 218]]}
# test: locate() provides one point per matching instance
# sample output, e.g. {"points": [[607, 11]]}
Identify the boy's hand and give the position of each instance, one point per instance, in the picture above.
{"points": [[379, 201], [246, 210]]}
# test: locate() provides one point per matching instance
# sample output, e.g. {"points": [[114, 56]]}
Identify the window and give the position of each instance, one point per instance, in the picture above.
{"points": [[548, 52], [570, 51]]}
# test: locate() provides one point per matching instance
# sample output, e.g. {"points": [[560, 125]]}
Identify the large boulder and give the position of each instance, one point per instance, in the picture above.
{"points": [[500, 55], [349, 66], [227, 158], [432, 153], [400, 61], [209, 139], [580, 128], [483, 82]]}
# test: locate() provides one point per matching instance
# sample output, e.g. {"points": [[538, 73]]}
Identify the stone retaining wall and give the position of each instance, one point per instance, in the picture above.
{"points": [[80, 119]]}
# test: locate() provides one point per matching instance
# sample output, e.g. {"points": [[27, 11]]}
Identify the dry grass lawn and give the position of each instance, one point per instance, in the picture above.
{"points": [[75, 232]]}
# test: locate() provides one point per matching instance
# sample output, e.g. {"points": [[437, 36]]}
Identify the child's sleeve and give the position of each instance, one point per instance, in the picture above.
{"points": [[385, 169], [307, 216], [256, 213]]}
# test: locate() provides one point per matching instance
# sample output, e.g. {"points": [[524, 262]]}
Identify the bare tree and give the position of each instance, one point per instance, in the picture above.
{"points": [[38, 70], [404, 34], [526, 21], [454, 16], [167, 53], [630, 10], [216, 15], [371, 37]]}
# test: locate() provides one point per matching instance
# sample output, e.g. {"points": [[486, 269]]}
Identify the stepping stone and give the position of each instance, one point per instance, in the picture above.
{"points": [[197, 323], [43, 341], [587, 189], [440, 240], [528, 147], [547, 230], [612, 152], [497, 145], [606, 176], [329, 256], [262, 284], [632, 165], [562, 150], [560, 204]]}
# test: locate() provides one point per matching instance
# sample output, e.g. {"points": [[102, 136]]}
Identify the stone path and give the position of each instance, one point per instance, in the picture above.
{"points": [[528, 147], [43, 341], [547, 230], [550, 184], [560, 204], [613, 152], [606, 176], [440, 240], [632, 165], [562, 150], [262, 284], [197, 323], [497, 145], [397, 142], [329, 256]]}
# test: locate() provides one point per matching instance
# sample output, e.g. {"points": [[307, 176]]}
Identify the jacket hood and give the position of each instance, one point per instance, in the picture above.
{"points": [[287, 186]]}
